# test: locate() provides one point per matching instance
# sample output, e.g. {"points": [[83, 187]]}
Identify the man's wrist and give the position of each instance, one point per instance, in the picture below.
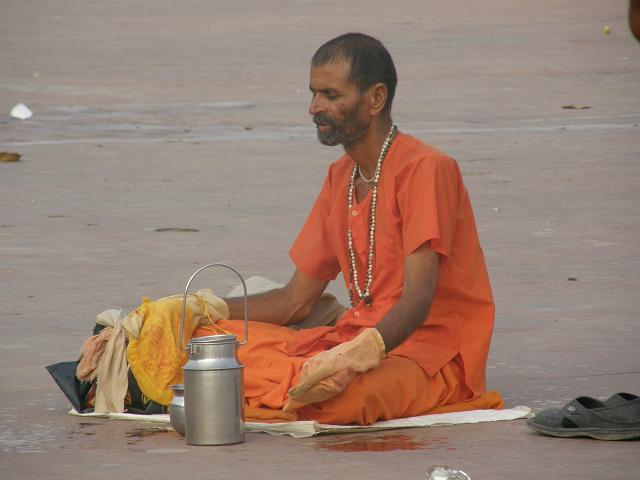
{"points": [[380, 340]]}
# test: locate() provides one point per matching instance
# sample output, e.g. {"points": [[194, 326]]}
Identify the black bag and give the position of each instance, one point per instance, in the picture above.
{"points": [[64, 373]]}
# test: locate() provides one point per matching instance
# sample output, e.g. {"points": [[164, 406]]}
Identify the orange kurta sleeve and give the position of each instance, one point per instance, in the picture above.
{"points": [[428, 204]]}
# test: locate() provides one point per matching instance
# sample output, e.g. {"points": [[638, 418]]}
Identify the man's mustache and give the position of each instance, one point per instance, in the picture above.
{"points": [[322, 119]]}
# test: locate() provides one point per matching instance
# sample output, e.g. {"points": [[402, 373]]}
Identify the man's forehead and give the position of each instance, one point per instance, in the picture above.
{"points": [[337, 70]]}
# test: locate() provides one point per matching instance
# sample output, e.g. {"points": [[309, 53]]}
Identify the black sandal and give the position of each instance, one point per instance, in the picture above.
{"points": [[620, 398], [618, 419]]}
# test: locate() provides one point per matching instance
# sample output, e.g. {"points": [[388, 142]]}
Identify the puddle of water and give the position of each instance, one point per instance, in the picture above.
{"points": [[135, 436], [168, 450], [36, 439], [143, 433], [81, 431], [387, 443]]}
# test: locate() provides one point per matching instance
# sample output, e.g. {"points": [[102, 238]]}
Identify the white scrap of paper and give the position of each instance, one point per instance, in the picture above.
{"points": [[21, 111]]}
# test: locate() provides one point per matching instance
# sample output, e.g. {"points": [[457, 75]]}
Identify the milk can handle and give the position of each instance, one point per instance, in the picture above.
{"points": [[186, 292]]}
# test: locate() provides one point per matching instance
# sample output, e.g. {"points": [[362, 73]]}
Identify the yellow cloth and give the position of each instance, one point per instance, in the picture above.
{"points": [[154, 357], [329, 372]]}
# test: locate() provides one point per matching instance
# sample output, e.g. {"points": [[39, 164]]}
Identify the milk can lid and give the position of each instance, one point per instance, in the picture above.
{"points": [[213, 339]]}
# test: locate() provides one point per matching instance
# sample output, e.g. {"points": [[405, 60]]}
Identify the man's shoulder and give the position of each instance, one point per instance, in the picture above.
{"points": [[412, 151], [340, 166], [341, 163]]}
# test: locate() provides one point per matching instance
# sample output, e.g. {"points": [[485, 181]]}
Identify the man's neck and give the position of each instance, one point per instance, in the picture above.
{"points": [[367, 149]]}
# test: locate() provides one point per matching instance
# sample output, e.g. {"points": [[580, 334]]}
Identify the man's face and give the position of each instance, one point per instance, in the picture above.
{"points": [[337, 107]]}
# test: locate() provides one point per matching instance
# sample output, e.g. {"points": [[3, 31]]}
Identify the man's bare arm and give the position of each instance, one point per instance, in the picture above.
{"points": [[420, 281], [283, 306]]}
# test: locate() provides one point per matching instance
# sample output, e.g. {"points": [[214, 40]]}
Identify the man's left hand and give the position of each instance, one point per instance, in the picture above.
{"points": [[328, 373]]}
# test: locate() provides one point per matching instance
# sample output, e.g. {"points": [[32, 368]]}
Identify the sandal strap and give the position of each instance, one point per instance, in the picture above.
{"points": [[587, 412]]}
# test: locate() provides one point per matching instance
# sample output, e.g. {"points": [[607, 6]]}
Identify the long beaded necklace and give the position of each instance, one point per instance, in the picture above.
{"points": [[353, 271]]}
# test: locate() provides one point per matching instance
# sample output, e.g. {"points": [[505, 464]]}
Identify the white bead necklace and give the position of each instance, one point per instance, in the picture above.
{"points": [[353, 271], [367, 180]]}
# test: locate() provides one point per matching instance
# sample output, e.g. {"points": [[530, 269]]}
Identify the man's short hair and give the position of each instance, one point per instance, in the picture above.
{"points": [[370, 61]]}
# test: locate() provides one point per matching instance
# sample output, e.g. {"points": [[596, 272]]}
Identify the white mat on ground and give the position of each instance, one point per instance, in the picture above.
{"points": [[310, 428]]}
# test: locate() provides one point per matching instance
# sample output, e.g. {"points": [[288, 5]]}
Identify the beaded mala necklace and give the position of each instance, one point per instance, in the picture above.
{"points": [[353, 271]]}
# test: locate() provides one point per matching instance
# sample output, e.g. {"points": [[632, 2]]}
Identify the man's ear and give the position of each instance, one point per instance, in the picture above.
{"points": [[378, 98]]}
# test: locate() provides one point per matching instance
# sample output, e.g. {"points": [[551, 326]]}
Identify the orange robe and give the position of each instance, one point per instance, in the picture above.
{"points": [[441, 366]]}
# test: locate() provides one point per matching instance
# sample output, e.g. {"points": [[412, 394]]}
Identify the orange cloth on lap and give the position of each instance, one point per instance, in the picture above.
{"points": [[398, 388]]}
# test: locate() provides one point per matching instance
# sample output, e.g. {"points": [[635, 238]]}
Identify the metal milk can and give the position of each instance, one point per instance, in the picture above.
{"points": [[176, 409], [213, 382]]}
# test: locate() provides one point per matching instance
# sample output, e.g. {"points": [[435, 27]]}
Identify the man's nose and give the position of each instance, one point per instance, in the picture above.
{"points": [[315, 106]]}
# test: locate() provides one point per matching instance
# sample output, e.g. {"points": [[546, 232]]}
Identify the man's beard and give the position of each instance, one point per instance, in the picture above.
{"points": [[346, 133]]}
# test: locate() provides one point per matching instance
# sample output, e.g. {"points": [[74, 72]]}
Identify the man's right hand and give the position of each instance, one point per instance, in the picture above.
{"points": [[288, 305]]}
